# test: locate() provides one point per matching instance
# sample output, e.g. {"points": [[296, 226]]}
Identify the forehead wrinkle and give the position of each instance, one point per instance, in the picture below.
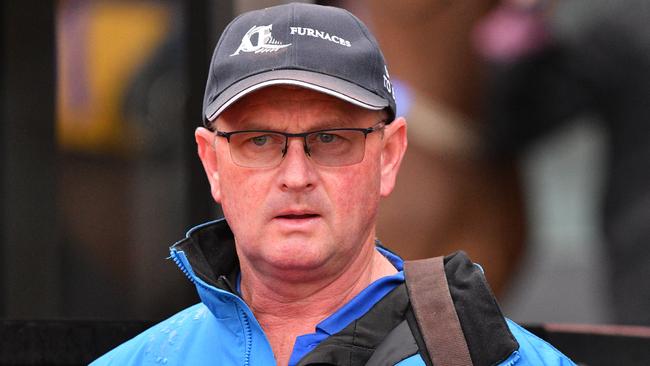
{"points": [[290, 106]]}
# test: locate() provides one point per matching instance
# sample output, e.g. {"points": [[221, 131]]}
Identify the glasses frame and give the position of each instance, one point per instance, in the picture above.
{"points": [[366, 131]]}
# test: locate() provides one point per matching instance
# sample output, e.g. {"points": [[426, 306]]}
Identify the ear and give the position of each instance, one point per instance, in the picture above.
{"points": [[393, 150], [206, 149]]}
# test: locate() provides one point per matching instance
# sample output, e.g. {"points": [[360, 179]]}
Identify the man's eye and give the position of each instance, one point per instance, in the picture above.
{"points": [[260, 140], [326, 137]]}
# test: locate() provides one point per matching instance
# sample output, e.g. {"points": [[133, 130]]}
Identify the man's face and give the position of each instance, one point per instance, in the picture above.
{"points": [[299, 217]]}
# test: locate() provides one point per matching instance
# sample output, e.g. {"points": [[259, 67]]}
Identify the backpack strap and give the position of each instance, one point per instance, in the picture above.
{"points": [[434, 310]]}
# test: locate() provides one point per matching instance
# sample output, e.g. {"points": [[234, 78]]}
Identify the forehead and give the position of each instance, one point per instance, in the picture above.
{"points": [[284, 106]]}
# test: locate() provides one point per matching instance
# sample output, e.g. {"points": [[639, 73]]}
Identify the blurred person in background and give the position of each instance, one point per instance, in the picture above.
{"points": [[553, 61], [449, 194]]}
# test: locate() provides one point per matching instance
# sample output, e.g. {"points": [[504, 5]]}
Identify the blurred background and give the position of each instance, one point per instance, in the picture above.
{"points": [[529, 148]]}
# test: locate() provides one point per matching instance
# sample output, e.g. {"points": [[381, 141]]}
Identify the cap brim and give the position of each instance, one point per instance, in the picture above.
{"points": [[326, 84]]}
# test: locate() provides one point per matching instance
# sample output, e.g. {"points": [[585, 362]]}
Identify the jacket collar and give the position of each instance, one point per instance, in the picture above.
{"points": [[210, 250]]}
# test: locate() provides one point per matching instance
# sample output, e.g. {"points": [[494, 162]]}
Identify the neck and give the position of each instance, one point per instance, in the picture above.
{"points": [[287, 309]]}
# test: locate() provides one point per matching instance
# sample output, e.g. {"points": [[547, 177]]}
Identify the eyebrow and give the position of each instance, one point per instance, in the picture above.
{"points": [[328, 124], [251, 125]]}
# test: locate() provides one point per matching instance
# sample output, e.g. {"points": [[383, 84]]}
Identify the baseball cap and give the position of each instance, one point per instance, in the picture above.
{"points": [[323, 48]]}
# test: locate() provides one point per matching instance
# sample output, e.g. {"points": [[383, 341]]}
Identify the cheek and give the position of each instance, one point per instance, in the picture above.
{"points": [[241, 193], [356, 194]]}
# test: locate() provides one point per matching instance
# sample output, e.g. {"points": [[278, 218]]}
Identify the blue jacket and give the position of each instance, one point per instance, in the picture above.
{"points": [[222, 330]]}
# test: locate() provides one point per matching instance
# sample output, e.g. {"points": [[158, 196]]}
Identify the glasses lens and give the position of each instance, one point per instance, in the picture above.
{"points": [[336, 147], [256, 149]]}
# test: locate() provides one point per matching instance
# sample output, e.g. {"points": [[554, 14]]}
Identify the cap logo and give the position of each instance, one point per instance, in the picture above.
{"points": [[302, 31], [387, 84], [259, 40]]}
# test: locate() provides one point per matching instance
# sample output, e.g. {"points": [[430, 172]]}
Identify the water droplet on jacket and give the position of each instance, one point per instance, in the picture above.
{"points": [[199, 313], [172, 336], [164, 361], [159, 359], [181, 320]]}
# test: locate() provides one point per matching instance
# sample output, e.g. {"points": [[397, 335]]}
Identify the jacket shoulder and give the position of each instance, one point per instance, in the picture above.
{"points": [[533, 350], [491, 337], [162, 342]]}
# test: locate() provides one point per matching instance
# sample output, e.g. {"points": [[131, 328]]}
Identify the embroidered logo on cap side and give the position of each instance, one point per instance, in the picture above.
{"points": [[387, 83], [264, 42]]}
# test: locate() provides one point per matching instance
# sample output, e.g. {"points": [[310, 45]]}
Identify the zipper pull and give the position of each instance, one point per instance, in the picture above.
{"points": [[228, 286]]}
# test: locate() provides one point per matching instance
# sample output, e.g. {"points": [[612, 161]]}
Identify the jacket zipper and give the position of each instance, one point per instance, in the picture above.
{"points": [[248, 333], [187, 274], [513, 359]]}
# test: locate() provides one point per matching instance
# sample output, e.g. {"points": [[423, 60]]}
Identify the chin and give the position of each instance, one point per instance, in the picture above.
{"points": [[291, 259]]}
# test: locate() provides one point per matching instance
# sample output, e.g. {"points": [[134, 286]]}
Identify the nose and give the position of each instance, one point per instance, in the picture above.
{"points": [[297, 171]]}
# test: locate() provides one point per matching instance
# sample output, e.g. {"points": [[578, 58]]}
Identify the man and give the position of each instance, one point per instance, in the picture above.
{"points": [[300, 143]]}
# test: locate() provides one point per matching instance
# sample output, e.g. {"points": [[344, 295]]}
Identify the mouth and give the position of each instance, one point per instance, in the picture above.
{"points": [[296, 216]]}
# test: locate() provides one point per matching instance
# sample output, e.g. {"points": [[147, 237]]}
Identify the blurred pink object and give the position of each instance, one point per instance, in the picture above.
{"points": [[510, 32]]}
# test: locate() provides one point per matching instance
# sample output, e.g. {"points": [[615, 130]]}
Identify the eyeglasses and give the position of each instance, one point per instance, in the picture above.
{"points": [[331, 147]]}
